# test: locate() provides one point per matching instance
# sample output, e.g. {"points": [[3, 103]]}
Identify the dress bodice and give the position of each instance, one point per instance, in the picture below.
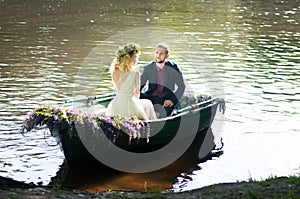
{"points": [[126, 84], [125, 103]]}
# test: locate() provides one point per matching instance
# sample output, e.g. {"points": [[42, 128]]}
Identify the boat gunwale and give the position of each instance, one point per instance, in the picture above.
{"points": [[177, 113]]}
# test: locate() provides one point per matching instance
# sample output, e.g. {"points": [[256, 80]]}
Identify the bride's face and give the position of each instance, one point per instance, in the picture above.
{"points": [[135, 58]]}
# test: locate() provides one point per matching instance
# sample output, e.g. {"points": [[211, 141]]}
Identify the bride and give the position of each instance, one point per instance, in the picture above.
{"points": [[126, 81]]}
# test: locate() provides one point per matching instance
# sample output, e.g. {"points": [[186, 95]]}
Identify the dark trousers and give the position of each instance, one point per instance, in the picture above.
{"points": [[158, 105]]}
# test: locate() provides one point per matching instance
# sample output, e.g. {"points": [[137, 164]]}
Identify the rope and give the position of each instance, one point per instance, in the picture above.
{"points": [[47, 130]]}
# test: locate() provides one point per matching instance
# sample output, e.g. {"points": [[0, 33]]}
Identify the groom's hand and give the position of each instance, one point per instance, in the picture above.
{"points": [[168, 103]]}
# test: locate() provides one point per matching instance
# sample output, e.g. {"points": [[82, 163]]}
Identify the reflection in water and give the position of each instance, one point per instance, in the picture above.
{"points": [[254, 46], [100, 178], [105, 179]]}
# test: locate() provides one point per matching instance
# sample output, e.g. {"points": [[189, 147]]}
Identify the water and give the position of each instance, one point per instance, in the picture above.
{"points": [[252, 59]]}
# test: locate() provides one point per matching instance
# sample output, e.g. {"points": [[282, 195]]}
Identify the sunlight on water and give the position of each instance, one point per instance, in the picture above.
{"points": [[252, 47]]}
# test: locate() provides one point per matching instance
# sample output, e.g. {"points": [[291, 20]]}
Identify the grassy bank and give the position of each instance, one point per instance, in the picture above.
{"points": [[275, 187]]}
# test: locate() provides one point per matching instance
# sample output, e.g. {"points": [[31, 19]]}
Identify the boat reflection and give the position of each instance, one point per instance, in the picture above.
{"points": [[100, 178]]}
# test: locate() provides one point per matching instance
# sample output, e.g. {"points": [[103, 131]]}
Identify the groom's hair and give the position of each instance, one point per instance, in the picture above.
{"points": [[164, 46]]}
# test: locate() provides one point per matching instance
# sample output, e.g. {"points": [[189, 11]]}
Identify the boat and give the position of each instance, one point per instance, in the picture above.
{"points": [[87, 137]]}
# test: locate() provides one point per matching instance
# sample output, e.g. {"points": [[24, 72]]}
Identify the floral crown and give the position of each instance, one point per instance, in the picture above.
{"points": [[125, 50]]}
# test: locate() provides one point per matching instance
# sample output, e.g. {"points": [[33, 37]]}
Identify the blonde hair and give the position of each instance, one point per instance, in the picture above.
{"points": [[125, 57], [125, 65]]}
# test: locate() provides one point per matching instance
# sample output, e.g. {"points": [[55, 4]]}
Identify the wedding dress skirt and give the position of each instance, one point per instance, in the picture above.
{"points": [[125, 104]]}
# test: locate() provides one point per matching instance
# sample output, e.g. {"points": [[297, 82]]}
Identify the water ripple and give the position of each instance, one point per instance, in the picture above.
{"points": [[252, 46]]}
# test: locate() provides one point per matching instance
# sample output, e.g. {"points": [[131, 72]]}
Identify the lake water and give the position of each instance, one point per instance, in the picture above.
{"points": [[246, 52]]}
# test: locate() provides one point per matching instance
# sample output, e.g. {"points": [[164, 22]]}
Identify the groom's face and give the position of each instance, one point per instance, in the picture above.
{"points": [[161, 55]]}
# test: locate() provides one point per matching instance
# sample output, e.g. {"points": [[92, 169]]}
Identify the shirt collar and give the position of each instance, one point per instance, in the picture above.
{"points": [[158, 68]]}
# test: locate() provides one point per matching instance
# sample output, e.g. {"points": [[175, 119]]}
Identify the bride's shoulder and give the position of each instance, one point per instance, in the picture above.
{"points": [[136, 69], [134, 73]]}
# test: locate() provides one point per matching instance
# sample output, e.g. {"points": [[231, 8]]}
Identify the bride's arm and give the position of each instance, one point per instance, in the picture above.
{"points": [[137, 85]]}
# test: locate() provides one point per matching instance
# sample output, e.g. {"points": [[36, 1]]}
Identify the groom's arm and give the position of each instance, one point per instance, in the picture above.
{"points": [[180, 85], [177, 79], [144, 78]]}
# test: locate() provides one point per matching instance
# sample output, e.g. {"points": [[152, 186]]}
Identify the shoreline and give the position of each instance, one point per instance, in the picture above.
{"points": [[277, 187]]}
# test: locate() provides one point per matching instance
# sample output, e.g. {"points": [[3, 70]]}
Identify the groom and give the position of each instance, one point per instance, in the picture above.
{"points": [[162, 76]]}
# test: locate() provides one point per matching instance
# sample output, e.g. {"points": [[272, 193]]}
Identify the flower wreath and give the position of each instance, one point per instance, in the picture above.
{"points": [[125, 50]]}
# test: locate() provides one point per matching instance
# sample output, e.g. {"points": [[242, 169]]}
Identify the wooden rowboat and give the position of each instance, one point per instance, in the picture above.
{"points": [[79, 136]]}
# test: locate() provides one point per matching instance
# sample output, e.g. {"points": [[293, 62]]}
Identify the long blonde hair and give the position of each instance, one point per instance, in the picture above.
{"points": [[125, 57]]}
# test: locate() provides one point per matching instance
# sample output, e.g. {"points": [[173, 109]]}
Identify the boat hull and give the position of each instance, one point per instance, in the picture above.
{"points": [[193, 126]]}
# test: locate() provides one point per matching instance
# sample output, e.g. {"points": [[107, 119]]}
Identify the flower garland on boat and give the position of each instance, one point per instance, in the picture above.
{"points": [[190, 99], [56, 118], [64, 118]]}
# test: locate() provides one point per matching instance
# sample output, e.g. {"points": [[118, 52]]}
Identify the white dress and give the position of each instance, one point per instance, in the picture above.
{"points": [[125, 104]]}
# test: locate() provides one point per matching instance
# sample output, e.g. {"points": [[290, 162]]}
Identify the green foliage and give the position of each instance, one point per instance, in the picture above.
{"points": [[13, 195], [125, 50], [189, 99], [253, 194], [63, 119]]}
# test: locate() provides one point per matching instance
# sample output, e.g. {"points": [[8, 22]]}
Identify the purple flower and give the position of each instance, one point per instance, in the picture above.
{"points": [[60, 117]]}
